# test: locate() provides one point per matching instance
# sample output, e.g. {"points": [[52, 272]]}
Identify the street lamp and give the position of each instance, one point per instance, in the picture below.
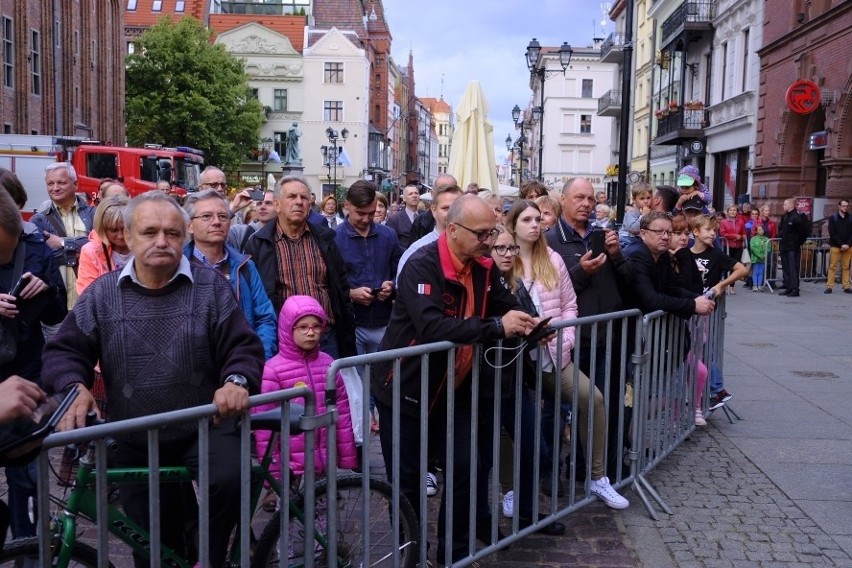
{"points": [[265, 147], [519, 124], [331, 153], [534, 58]]}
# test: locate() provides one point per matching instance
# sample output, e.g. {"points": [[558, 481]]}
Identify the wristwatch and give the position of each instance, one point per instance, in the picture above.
{"points": [[238, 380]]}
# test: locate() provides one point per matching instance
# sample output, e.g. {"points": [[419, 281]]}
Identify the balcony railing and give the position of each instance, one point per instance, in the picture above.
{"points": [[691, 11], [610, 101], [611, 47], [674, 120], [282, 8]]}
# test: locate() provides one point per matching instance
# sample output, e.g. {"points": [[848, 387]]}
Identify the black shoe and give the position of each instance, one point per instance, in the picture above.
{"points": [[847, 290], [483, 532], [793, 294], [785, 293], [553, 529], [827, 291]]}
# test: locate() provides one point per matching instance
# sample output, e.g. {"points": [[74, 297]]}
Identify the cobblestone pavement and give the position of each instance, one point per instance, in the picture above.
{"points": [[728, 514]]}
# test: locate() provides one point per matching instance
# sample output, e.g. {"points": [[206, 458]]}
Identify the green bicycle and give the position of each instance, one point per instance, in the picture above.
{"points": [[67, 551]]}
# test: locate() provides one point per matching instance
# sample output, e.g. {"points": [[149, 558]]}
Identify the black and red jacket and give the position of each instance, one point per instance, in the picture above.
{"points": [[429, 307]]}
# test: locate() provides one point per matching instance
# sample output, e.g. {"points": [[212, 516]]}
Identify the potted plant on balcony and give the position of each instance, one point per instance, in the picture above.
{"points": [[693, 105], [673, 106], [661, 113]]}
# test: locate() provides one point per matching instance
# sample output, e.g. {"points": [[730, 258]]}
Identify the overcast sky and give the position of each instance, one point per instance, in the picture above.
{"points": [[464, 40]]}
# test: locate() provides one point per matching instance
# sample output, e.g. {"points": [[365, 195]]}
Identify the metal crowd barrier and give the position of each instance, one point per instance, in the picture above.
{"points": [[664, 414], [102, 433], [812, 268], [606, 347]]}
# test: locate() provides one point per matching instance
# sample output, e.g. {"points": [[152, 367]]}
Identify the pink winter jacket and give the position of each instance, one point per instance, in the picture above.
{"points": [[559, 303], [293, 365]]}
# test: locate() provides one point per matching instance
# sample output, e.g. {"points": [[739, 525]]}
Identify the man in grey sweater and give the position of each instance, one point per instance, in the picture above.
{"points": [[168, 336]]}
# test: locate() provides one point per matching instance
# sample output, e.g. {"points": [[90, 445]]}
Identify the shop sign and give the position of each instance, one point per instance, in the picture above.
{"points": [[803, 97]]}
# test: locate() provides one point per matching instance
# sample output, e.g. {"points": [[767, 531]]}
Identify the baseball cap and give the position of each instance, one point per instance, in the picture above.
{"points": [[693, 203], [688, 175], [684, 180]]}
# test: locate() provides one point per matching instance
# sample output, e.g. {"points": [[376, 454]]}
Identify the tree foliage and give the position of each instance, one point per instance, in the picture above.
{"points": [[182, 89]]}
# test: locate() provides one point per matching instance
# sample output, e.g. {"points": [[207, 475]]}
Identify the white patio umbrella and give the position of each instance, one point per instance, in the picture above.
{"points": [[472, 155]]}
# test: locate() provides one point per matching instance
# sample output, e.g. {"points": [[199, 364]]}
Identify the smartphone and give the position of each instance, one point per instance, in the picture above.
{"points": [[256, 194], [375, 291], [19, 286], [539, 331], [598, 242]]}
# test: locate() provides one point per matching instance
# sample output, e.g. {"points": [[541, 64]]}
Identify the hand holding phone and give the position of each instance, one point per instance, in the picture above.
{"points": [[539, 332], [20, 285], [256, 194]]}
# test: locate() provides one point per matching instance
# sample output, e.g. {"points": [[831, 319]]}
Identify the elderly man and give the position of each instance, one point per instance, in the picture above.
{"points": [[214, 178], [209, 222], [297, 257], [66, 222], [401, 221], [168, 335], [597, 281], [451, 291]]}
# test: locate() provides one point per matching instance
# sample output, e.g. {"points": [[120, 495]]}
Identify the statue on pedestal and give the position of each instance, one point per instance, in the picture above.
{"points": [[292, 154]]}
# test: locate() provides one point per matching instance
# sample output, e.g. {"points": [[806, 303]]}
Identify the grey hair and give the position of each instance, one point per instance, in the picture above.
{"points": [[287, 179], [72, 173], [193, 198], [152, 197]]}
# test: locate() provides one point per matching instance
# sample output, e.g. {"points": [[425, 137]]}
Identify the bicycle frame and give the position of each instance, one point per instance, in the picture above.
{"points": [[82, 502]]}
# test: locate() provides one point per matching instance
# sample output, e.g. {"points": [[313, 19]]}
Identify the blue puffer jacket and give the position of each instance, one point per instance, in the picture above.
{"points": [[251, 296]]}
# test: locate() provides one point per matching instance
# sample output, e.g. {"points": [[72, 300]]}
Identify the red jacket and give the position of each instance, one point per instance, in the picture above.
{"points": [[733, 231]]}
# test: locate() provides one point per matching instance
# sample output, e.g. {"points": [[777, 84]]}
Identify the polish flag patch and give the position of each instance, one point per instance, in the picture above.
{"points": [[425, 289]]}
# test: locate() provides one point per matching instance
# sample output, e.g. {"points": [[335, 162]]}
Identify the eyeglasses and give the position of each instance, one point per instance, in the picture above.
{"points": [[504, 250], [305, 328], [215, 184], [660, 232], [208, 217], [481, 236]]}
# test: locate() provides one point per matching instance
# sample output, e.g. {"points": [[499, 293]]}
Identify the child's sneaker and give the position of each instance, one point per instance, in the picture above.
{"points": [[431, 484], [699, 418], [509, 504]]}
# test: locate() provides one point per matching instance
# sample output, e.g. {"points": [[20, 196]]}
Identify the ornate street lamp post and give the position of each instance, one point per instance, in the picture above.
{"points": [[534, 58], [331, 153]]}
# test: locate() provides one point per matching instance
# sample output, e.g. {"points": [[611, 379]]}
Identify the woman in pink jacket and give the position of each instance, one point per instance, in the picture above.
{"points": [[299, 360], [542, 272], [106, 250]]}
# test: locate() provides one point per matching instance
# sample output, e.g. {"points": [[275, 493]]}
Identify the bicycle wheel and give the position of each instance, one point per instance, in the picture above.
{"points": [[350, 529], [24, 552]]}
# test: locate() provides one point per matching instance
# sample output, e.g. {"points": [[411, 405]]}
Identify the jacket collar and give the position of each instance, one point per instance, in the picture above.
{"points": [[445, 258]]}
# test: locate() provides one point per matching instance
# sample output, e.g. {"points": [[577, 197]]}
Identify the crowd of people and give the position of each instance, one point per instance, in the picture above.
{"points": [[151, 304]]}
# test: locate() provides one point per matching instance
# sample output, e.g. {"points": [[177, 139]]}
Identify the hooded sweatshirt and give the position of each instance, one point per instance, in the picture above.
{"points": [[292, 365]]}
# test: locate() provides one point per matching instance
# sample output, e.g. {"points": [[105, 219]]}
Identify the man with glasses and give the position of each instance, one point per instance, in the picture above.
{"points": [[209, 223], [655, 285], [449, 291], [215, 179]]}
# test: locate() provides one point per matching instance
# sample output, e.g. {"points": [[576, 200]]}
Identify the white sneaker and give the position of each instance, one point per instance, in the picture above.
{"points": [[604, 491], [509, 504], [431, 484], [699, 418]]}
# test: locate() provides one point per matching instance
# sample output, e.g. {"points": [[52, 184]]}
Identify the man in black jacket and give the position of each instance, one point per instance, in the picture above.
{"points": [[793, 231], [295, 257], [434, 303], [840, 241]]}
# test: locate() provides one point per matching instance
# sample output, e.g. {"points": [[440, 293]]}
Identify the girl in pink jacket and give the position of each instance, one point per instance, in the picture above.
{"points": [[299, 360]]}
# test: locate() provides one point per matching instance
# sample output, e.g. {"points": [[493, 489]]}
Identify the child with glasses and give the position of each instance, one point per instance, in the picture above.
{"points": [[299, 360]]}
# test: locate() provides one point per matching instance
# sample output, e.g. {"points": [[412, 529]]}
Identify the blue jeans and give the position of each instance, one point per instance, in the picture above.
{"points": [[22, 482], [717, 382], [758, 270]]}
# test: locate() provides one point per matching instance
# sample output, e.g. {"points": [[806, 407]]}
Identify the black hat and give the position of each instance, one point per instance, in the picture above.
{"points": [[693, 203]]}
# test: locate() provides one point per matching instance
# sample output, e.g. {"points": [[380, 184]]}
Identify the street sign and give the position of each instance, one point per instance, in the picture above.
{"points": [[803, 97]]}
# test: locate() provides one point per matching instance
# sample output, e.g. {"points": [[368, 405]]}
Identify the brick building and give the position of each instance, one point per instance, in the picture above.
{"points": [[805, 154], [70, 85]]}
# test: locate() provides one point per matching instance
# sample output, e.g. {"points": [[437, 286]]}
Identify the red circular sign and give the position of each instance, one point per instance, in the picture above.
{"points": [[803, 97]]}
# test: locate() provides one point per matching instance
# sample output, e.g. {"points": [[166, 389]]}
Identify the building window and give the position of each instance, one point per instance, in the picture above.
{"points": [[158, 6], [745, 60], [585, 124], [280, 142], [334, 72], [587, 88], [35, 62], [131, 4], [180, 6], [724, 69], [333, 111], [8, 53], [279, 101], [131, 48]]}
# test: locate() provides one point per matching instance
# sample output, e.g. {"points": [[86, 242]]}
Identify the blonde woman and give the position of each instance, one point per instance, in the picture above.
{"points": [[543, 274], [106, 250]]}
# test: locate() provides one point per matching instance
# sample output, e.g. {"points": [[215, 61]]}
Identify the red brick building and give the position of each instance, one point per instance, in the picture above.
{"points": [[805, 154], [66, 79]]}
